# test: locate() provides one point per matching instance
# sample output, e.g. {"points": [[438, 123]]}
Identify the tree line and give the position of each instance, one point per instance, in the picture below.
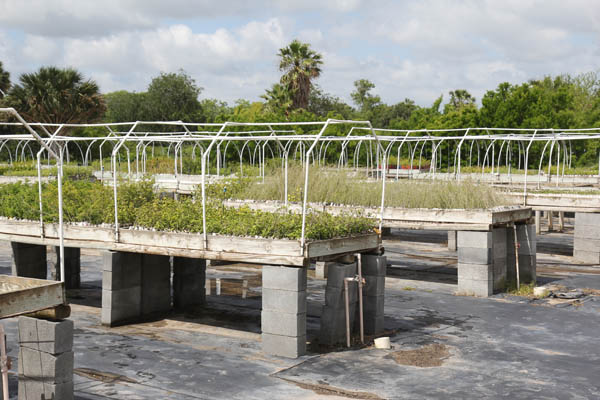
{"points": [[56, 95]]}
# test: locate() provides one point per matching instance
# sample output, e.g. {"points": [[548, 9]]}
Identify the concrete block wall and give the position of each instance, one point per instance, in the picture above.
{"points": [[333, 316], [527, 241], [156, 284], [586, 246], [45, 364], [189, 280], [373, 270], [29, 260], [283, 316], [72, 266]]}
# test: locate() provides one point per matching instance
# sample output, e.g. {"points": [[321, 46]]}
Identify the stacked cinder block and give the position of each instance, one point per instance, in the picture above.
{"points": [[29, 260], [586, 247], [373, 271], [45, 359], [72, 266], [322, 268], [134, 285], [527, 247], [475, 263], [189, 279], [333, 317], [283, 317], [500, 264], [156, 284], [121, 287]]}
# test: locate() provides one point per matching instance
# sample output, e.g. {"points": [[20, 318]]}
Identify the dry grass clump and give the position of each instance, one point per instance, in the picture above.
{"points": [[337, 187]]}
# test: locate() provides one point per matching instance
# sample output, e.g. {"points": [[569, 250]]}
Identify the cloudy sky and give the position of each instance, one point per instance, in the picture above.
{"points": [[410, 49]]}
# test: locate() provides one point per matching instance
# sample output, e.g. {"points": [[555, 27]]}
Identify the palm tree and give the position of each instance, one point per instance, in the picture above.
{"points": [[278, 99], [4, 81], [300, 65], [54, 95]]}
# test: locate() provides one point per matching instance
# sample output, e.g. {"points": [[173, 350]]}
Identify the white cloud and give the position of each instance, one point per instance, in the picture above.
{"points": [[414, 49]]}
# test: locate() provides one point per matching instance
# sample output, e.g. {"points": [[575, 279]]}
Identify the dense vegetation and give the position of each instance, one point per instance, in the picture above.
{"points": [[140, 206], [341, 188]]}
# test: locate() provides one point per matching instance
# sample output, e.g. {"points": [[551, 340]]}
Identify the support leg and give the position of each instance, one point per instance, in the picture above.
{"points": [[29, 260], [283, 317], [586, 246]]}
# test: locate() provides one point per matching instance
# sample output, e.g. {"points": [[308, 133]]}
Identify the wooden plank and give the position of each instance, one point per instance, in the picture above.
{"points": [[436, 226], [322, 248], [20, 295]]}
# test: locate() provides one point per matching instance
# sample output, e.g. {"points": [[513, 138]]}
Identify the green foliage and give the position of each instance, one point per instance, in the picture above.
{"points": [[300, 65], [173, 97], [139, 205], [54, 95], [342, 188], [362, 98]]}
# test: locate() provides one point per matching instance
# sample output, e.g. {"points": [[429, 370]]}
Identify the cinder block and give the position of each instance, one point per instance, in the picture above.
{"points": [[499, 237], [121, 305], [30, 389], [452, 242], [587, 219], [156, 284], [474, 255], [499, 274], [280, 323], [527, 239], [36, 390], [62, 391], [587, 232], [335, 297], [189, 280], [29, 260], [374, 286], [374, 325], [373, 265], [474, 239], [386, 231], [321, 269], [478, 272], [53, 337], [373, 306], [120, 259], [588, 257], [72, 266], [283, 300], [284, 278], [284, 346], [337, 272], [583, 244], [333, 324], [46, 367], [471, 287]]}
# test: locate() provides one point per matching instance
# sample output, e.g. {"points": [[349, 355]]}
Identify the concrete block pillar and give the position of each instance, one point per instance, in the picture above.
{"points": [[386, 231], [586, 246], [475, 263], [527, 248], [322, 268], [45, 359], [156, 284], [499, 259], [283, 317], [121, 287], [452, 240], [189, 279], [29, 260], [333, 316], [72, 266], [373, 269]]}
